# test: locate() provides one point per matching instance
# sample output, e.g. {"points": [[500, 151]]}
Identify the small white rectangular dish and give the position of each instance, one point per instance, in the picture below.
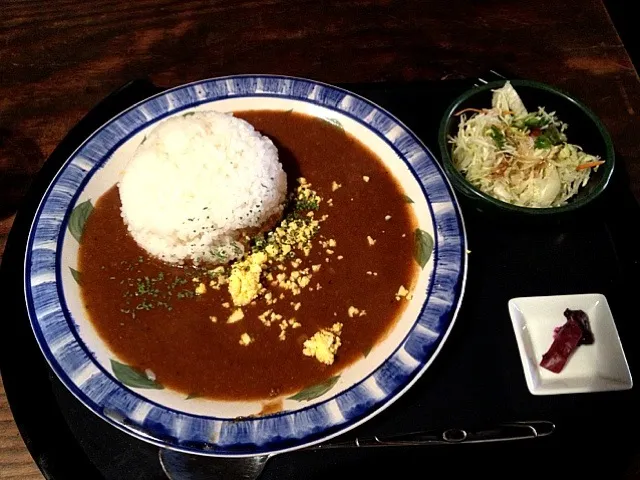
{"points": [[599, 367]]}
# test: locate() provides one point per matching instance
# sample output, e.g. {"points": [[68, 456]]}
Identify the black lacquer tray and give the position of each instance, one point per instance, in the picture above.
{"points": [[476, 381]]}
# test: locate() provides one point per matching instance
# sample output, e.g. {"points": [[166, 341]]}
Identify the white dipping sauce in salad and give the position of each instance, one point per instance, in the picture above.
{"points": [[519, 157]]}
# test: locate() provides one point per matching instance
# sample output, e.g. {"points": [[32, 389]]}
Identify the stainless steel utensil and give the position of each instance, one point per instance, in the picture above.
{"points": [[503, 432], [180, 466]]}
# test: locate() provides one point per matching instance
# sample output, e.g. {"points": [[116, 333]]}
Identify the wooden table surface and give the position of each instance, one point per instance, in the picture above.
{"points": [[59, 58]]}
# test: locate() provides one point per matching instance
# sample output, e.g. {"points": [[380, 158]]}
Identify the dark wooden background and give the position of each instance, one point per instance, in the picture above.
{"points": [[58, 58]]}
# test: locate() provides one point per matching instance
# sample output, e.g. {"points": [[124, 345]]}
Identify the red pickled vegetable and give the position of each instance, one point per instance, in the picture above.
{"points": [[576, 332], [562, 347], [583, 320]]}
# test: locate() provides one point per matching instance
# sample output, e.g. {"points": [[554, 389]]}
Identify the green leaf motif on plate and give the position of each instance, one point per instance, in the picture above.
{"points": [[423, 248], [76, 275], [336, 123], [132, 377], [407, 199], [78, 218], [315, 391], [188, 114], [192, 395], [366, 351]]}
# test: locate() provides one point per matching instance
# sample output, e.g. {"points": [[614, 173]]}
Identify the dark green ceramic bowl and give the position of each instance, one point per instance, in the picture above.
{"points": [[585, 129]]}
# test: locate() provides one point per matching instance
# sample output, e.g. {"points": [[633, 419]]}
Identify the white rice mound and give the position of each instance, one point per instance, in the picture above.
{"points": [[196, 182]]}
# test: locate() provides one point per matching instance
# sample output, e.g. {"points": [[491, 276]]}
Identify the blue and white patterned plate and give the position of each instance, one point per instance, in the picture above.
{"points": [[137, 403]]}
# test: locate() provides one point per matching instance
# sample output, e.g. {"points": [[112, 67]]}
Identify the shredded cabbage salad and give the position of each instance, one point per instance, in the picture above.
{"points": [[519, 157]]}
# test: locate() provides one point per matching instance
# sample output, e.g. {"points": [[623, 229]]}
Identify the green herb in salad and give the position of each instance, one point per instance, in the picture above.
{"points": [[497, 136]]}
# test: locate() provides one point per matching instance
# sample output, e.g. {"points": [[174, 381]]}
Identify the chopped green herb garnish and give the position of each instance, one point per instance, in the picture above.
{"points": [[259, 242], [178, 281], [533, 120], [550, 136], [307, 204], [144, 305], [542, 142], [497, 136], [185, 294]]}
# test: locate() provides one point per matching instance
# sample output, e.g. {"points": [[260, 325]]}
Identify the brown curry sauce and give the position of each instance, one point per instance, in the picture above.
{"points": [[189, 353]]}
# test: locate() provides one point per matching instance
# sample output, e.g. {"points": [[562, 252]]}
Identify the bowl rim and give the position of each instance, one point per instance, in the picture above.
{"points": [[461, 183], [447, 220]]}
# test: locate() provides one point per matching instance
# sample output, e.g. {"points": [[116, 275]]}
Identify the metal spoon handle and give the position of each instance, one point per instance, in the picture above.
{"points": [[502, 432], [179, 466]]}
